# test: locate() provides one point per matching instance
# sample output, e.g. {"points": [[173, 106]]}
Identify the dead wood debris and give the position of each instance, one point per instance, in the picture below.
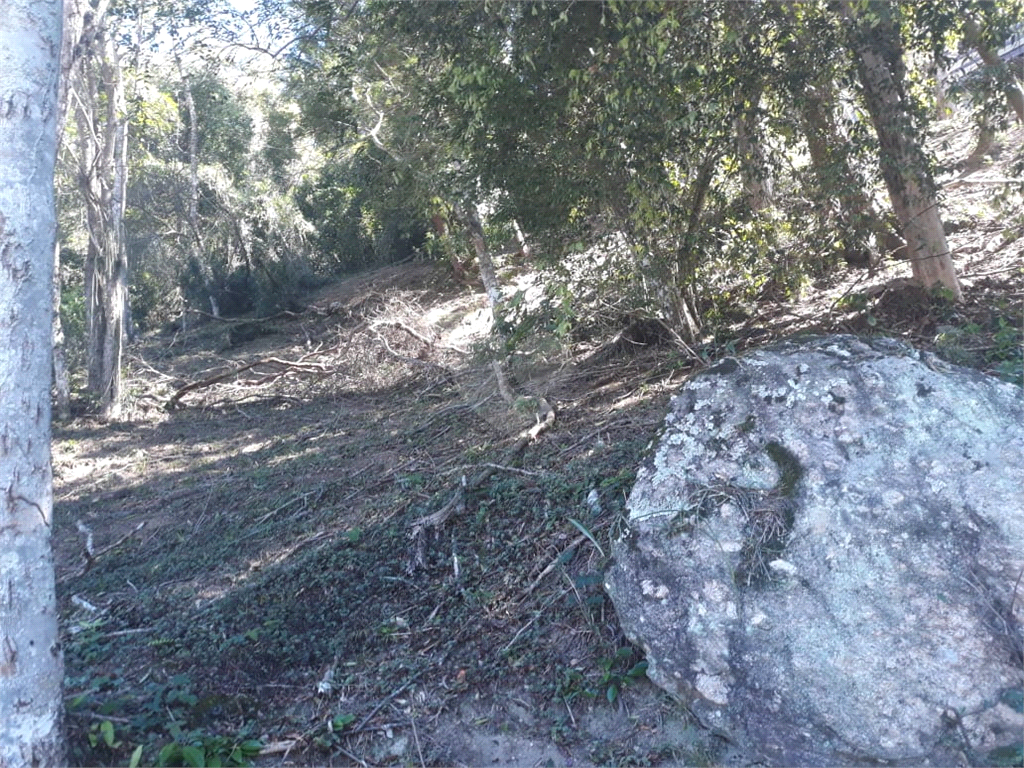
{"points": [[456, 504], [90, 553], [284, 367]]}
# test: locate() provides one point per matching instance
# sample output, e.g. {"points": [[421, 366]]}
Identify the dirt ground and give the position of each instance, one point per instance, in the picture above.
{"points": [[252, 563]]}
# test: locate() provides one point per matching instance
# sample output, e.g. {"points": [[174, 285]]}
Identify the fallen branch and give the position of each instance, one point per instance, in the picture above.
{"points": [[398, 324], [246, 320], [558, 558], [288, 366], [457, 502], [91, 554]]}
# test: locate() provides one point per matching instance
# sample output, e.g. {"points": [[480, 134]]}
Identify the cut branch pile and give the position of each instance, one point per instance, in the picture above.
{"points": [[456, 504], [280, 368]]}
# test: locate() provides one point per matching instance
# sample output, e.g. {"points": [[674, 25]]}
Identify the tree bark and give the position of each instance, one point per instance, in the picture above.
{"points": [[837, 181], [875, 43], [1014, 95], [197, 249], [70, 53], [103, 144], [470, 219], [524, 246], [31, 663], [757, 182]]}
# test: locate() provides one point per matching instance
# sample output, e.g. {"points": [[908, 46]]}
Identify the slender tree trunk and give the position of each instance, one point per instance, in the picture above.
{"points": [[757, 183], [70, 53], [103, 179], [837, 181], [468, 217], [31, 663], [986, 138], [524, 246], [196, 247], [904, 167], [1014, 95]]}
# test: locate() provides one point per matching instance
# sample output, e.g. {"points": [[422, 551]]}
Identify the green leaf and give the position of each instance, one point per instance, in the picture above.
{"points": [[613, 693], [583, 529], [639, 670], [193, 756], [107, 729], [340, 722], [136, 757], [168, 754], [255, 746]]}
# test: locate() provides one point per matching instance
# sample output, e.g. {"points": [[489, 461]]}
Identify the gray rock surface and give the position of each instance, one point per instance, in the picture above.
{"points": [[824, 555]]}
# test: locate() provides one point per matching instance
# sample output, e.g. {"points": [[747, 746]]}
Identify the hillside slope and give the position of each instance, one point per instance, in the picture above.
{"points": [[260, 568]]}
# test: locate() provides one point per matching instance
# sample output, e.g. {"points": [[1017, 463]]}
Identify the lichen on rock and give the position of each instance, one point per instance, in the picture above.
{"points": [[829, 530]]}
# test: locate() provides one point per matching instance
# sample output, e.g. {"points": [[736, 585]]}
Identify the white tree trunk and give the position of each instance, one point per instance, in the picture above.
{"points": [[991, 59], [102, 137], [31, 665], [74, 21], [876, 47], [470, 219]]}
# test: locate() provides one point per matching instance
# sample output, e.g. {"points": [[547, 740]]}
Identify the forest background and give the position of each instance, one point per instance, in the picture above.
{"points": [[606, 177]]}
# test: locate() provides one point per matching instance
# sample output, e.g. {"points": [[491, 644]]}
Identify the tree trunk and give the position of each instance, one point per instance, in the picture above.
{"points": [[31, 663], [757, 183], [524, 246], [468, 217], [1014, 96], [197, 249], [103, 144], [878, 53], [70, 53], [837, 181]]}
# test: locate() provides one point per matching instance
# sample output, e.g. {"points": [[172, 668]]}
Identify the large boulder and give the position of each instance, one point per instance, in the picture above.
{"points": [[824, 556]]}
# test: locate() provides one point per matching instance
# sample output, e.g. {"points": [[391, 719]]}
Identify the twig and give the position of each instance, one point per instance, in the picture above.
{"points": [[350, 756], [398, 324], [416, 738], [497, 468], [545, 418], [142, 361], [381, 704], [278, 747], [554, 563], [136, 631], [92, 557], [301, 365], [993, 272], [536, 616]]}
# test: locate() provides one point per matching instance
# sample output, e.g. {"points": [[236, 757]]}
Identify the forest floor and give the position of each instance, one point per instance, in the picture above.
{"points": [[256, 574]]}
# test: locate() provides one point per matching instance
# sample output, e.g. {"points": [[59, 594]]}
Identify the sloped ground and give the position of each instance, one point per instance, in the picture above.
{"points": [[255, 575]]}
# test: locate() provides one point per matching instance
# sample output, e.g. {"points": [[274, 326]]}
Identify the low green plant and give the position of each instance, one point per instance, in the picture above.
{"points": [[199, 749], [616, 672], [333, 730]]}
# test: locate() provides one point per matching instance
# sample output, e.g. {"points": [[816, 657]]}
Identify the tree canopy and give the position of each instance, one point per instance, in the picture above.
{"points": [[728, 148]]}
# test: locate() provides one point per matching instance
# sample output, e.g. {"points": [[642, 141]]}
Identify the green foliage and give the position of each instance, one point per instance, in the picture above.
{"points": [[226, 130], [165, 721], [72, 319], [996, 345], [616, 672], [198, 749], [1012, 755], [333, 732], [360, 217]]}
